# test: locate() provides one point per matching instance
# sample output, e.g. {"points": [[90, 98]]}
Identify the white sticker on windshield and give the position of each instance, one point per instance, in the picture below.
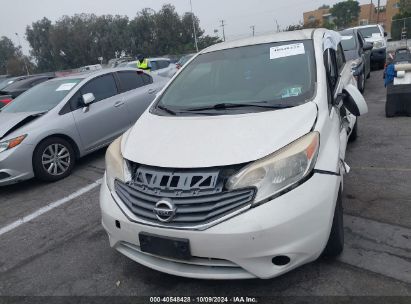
{"points": [[66, 86], [287, 50], [346, 37]]}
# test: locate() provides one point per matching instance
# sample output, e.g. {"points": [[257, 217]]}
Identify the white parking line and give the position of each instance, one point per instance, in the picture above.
{"points": [[49, 207]]}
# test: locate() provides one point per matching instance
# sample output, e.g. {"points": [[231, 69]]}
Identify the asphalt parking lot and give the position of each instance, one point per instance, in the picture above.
{"points": [[65, 251]]}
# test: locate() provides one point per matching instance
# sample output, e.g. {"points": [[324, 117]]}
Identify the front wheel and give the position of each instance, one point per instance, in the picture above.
{"points": [[354, 132], [361, 82], [53, 159], [335, 244]]}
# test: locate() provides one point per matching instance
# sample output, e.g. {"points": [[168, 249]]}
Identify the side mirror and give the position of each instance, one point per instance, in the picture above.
{"points": [[88, 98], [367, 46], [354, 101], [385, 34]]}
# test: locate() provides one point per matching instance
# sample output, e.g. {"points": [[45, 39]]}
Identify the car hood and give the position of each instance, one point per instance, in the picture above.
{"points": [[210, 141], [12, 121], [351, 55]]}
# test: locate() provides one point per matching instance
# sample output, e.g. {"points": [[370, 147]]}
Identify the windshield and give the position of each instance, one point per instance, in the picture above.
{"points": [[43, 97], [348, 43], [275, 74], [368, 32]]}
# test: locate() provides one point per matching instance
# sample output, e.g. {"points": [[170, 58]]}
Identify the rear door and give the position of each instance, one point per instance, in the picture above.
{"points": [[106, 118], [137, 92]]}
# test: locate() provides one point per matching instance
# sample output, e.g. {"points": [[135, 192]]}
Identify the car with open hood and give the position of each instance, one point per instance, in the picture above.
{"points": [[44, 130], [236, 170]]}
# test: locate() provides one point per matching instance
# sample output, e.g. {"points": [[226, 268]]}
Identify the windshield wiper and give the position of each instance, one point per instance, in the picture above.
{"points": [[224, 106], [166, 110]]}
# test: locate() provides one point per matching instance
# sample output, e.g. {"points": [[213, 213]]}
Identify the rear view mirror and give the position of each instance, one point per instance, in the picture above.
{"points": [[88, 98], [367, 46], [354, 101]]}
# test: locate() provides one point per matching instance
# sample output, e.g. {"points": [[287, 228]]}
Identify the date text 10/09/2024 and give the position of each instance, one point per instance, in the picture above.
{"points": [[235, 299]]}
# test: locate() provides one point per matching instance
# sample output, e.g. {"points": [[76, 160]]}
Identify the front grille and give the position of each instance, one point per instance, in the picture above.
{"points": [[193, 207]]}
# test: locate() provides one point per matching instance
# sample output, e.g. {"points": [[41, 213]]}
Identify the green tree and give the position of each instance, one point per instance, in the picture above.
{"points": [[405, 7], [345, 13], [7, 51], [38, 36]]}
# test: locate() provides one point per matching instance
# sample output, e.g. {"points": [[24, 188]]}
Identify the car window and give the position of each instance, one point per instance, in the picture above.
{"points": [[37, 81], [348, 42], [154, 65], [279, 74], [331, 68], [340, 58], [162, 64], [147, 79], [130, 80], [368, 32], [102, 87]]}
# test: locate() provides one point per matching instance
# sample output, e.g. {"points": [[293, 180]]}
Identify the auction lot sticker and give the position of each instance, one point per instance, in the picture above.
{"points": [[287, 50]]}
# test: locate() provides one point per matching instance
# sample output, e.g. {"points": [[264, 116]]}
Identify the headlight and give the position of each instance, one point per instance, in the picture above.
{"points": [[115, 165], [9, 144], [281, 170], [378, 44]]}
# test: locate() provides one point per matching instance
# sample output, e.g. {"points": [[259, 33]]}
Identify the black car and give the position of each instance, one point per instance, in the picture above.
{"points": [[359, 51], [19, 87]]}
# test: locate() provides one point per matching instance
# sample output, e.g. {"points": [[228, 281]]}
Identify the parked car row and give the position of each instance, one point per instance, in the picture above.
{"points": [[365, 46], [158, 66], [44, 130]]}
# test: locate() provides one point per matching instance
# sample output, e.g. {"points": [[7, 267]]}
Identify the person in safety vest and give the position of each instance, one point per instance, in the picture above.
{"points": [[143, 63]]}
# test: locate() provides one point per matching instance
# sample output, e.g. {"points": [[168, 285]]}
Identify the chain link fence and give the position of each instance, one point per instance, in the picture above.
{"points": [[401, 29]]}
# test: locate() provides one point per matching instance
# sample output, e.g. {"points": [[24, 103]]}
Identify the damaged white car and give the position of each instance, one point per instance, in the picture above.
{"points": [[236, 170]]}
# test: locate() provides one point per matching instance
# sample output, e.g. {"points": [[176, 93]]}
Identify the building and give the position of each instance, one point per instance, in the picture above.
{"points": [[368, 15]]}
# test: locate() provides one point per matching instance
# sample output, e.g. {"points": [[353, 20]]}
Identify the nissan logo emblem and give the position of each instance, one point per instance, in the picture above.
{"points": [[165, 210]]}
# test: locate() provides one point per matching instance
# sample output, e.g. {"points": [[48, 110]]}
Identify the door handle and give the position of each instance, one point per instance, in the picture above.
{"points": [[152, 91], [119, 104]]}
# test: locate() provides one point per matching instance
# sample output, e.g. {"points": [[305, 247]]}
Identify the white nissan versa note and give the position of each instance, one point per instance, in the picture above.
{"points": [[236, 170]]}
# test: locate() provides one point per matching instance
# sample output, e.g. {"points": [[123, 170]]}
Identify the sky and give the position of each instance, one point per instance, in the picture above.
{"points": [[238, 15]]}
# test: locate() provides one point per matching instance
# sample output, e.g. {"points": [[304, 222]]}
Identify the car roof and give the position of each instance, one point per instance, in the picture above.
{"points": [[23, 82], [96, 73], [269, 38], [363, 26]]}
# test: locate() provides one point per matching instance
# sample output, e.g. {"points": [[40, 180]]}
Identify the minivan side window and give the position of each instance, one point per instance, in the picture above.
{"points": [[102, 87], [130, 80], [331, 68], [340, 58]]}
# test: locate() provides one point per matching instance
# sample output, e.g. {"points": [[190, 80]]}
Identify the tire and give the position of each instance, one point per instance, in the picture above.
{"points": [[335, 244], [354, 133], [48, 166], [361, 82]]}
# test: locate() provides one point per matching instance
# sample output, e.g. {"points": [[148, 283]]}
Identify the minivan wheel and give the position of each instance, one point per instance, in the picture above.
{"points": [[354, 133], [361, 82], [53, 159], [335, 244]]}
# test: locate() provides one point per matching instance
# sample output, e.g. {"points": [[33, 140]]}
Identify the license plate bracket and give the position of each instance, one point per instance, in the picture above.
{"points": [[165, 246]]}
